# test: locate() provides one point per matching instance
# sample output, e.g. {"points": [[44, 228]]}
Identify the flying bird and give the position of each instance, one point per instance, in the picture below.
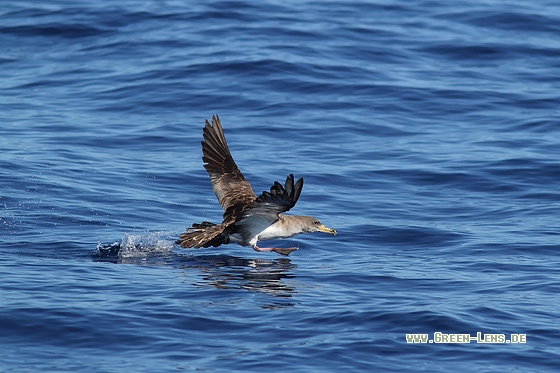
{"points": [[247, 218]]}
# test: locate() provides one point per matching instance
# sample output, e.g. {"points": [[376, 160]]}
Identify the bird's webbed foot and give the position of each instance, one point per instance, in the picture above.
{"points": [[279, 250]]}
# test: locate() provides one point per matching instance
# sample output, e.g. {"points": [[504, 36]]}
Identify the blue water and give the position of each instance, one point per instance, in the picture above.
{"points": [[427, 133]]}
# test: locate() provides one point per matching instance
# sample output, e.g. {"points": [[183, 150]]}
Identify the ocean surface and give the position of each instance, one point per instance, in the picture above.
{"points": [[428, 135]]}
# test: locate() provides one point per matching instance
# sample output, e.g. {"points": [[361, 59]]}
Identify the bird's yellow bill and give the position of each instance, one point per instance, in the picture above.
{"points": [[324, 229]]}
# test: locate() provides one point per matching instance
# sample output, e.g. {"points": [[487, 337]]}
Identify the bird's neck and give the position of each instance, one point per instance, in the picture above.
{"points": [[290, 224]]}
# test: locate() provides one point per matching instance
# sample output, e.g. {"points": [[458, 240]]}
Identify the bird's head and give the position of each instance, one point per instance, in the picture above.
{"points": [[311, 224]]}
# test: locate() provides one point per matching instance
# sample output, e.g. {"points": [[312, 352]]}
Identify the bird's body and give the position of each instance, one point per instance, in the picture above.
{"points": [[247, 218]]}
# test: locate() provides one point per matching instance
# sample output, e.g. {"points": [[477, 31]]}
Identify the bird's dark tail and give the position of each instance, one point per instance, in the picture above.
{"points": [[205, 234]]}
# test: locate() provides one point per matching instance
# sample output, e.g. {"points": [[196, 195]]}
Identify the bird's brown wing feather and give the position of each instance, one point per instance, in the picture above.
{"points": [[234, 193]]}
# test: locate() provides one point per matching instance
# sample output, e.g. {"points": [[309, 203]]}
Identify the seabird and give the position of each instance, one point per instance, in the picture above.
{"points": [[247, 218]]}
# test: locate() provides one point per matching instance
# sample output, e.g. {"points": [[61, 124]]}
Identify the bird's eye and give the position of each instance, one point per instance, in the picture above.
{"points": [[316, 222]]}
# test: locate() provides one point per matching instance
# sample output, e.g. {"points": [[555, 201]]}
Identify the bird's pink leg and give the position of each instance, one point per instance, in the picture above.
{"points": [[282, 251]]}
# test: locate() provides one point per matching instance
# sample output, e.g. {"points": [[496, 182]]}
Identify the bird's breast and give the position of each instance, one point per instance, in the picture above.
{"points": [[276, 230]]}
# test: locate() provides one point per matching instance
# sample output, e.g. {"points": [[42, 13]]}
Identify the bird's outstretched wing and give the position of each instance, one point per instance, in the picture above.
{"points": [[278, 200], [234, 193]]}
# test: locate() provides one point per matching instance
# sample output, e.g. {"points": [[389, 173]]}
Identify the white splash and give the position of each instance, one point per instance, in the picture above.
{"points": [[135, 246]]}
